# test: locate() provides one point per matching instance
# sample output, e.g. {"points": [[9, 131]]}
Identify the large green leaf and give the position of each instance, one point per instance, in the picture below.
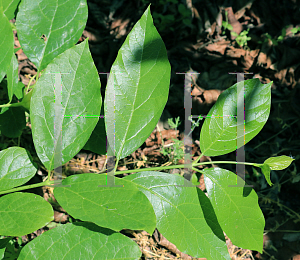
{"points": [[111, 207], [189, 224], [219, 132], [80, 241], [236, 208], [48, 28], [6, 44], [23, 213], [81, 98], [16, 168], [138, 88]]}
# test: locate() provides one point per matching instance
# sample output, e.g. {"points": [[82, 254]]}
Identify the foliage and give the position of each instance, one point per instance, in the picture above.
{"points": [[241, 38], [281, 37], [64, 108]]}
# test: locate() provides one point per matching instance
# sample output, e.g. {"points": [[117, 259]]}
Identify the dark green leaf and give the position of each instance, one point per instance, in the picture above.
{"points": [[12, 122]]}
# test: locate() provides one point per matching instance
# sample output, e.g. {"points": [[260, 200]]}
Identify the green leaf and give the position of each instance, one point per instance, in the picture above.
{"points": [[23, 213], [138, 88], [219, 132], [12, 122], [16, 168], [97, 140], [266, 170], [3, 244], [9, 8], [236, 208], [6, 44], [48, 28], [279, 162], [183, 220], [12, 77], [80, 98], [80, 241], [111, 207]]}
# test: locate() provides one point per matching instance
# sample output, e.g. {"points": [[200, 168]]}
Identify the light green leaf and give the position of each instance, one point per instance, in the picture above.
{"points": [[111, 207], [23, 213], [219, 132], [236, 208], [6, 44], [80, 241], [16, 167], [138, 88], [48, 28], [12, 77], [9, 8], [183, 220], [80, 93], [279, 162], [266, 170]]}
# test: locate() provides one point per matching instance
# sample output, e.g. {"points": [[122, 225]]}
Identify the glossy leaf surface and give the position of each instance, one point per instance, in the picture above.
{"points": [[279, 162], [80, 241], [23, 213], [16, 168], [48, 28], [111, 207], [219, 132], [236, 208], [80, 98], [183, 220], [138, 87]]}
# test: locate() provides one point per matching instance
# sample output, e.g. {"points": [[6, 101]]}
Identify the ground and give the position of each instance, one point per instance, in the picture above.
{"points": [[197, 42]]}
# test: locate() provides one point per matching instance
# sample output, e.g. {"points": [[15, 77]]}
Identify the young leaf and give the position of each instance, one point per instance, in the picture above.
{"points": [[80, 98], [23, 213], [236, 208], [48, 28], [197, 231], [137, 89], [111, 207], [16, 168], [266, 170], [219, 132], [85, 240], [279, 162]]}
